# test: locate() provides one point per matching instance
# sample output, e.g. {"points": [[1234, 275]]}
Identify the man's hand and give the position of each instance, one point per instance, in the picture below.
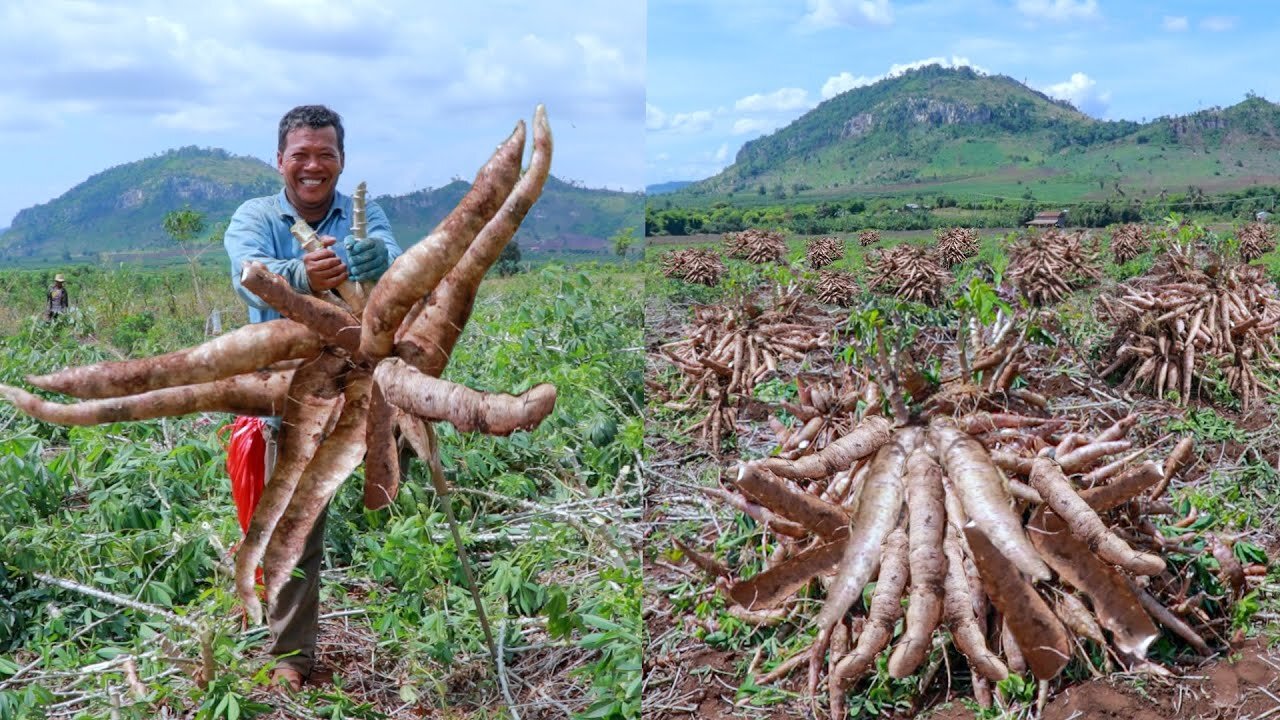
{"points": [[368, 258], [325, 270]]}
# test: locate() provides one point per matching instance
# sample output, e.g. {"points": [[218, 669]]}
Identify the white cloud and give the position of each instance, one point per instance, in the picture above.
{"points": [[833, 13], [654, 118], [846, 81], [1218, 23], [747, 126], [778, 100], [690, 122], [1175, 23], [722, 153], [1081, 91], [1059, 10]]}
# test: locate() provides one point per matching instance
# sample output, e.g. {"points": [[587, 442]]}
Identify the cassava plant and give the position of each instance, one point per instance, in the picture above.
{"points": [[1044, 267], [910, 272], [823, 251], [702, 267], [955, 245], [1128, 241], [345, 382], [730, 348], [756, 246], [1024, 538], [1256, 239], [837, 288], [1195, 313]]}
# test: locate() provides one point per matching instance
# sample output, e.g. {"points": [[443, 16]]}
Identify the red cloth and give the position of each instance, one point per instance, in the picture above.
{"points": [[246, 464]]}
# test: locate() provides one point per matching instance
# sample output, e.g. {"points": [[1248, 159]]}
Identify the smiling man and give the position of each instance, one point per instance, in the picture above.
{"points": [[310, 159]]}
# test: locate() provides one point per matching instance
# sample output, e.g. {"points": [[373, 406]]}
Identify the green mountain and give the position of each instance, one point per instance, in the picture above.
{"points": [[935, 131], [666, 187], [118, 213]]}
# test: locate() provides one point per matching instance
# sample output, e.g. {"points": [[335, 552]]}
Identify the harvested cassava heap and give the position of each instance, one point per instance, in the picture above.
{"points": [[837, 288], [824, 410], [704, 267], [1128, 241], [925, 512], [1046, 266], [868, 237], [1192, 317], [756, 246], [823, 251], [955, 245], [910, 273], [730, 348], [1256, 239], [343, 379]]}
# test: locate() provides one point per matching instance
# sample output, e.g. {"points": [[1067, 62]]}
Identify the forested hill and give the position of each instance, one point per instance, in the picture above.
{"points": [[939, 130], [119, 212]]}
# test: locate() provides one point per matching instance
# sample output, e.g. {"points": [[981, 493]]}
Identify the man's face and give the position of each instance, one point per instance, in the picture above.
{"points": [[310, 165]]}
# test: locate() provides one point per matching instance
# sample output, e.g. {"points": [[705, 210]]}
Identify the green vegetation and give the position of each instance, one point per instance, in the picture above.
{"points": [[142, 510]]}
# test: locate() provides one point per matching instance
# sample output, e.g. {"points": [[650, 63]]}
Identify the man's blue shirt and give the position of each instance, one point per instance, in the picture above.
{"points": [[259, 230]]}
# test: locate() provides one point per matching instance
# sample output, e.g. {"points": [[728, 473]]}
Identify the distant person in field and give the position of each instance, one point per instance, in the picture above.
{"points": [[309, 157], [58, 300]]}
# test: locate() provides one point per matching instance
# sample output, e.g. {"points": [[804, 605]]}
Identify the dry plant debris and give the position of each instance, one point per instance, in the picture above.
{"points": [[1191, 316], [342, 382], [910, 272], [868, 237], [730, 348], [823, 251], [756, 246], [701, 267], [961, 516], [837, 288], [1044, 267], [955, 245], [1128, 241], [1256, 239]]}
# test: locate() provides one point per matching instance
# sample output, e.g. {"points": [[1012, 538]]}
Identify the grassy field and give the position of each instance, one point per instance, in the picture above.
{"points": [[142, 511]]}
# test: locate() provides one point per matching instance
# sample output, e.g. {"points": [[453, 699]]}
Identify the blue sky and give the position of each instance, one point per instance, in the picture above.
{"points": [[426, 89], [722, 72]]}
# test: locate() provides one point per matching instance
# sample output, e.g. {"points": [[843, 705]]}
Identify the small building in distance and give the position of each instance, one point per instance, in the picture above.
{"points": [[1049, 219], [1262, 216]]}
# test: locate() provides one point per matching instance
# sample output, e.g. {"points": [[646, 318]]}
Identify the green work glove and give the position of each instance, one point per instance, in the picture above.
{"points": [[368, 259]]}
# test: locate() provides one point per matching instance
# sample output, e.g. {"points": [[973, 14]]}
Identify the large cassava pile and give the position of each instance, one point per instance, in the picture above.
{"points": [[955, 245], [1195, 320], [756, 246], [347, 376], [1021, 540], [910, 272], [823, 251], [1128, 241], [976, 521], [729, 348], [1256, 239], [837, 288], [702, 267], [1044, 267]]}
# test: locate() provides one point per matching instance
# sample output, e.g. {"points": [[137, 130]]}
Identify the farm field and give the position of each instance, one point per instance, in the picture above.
{"points": [[142, 513], [777, 486]]}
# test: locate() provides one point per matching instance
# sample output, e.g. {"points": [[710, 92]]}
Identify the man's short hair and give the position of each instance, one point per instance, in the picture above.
{"points": [[311, 116]]}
